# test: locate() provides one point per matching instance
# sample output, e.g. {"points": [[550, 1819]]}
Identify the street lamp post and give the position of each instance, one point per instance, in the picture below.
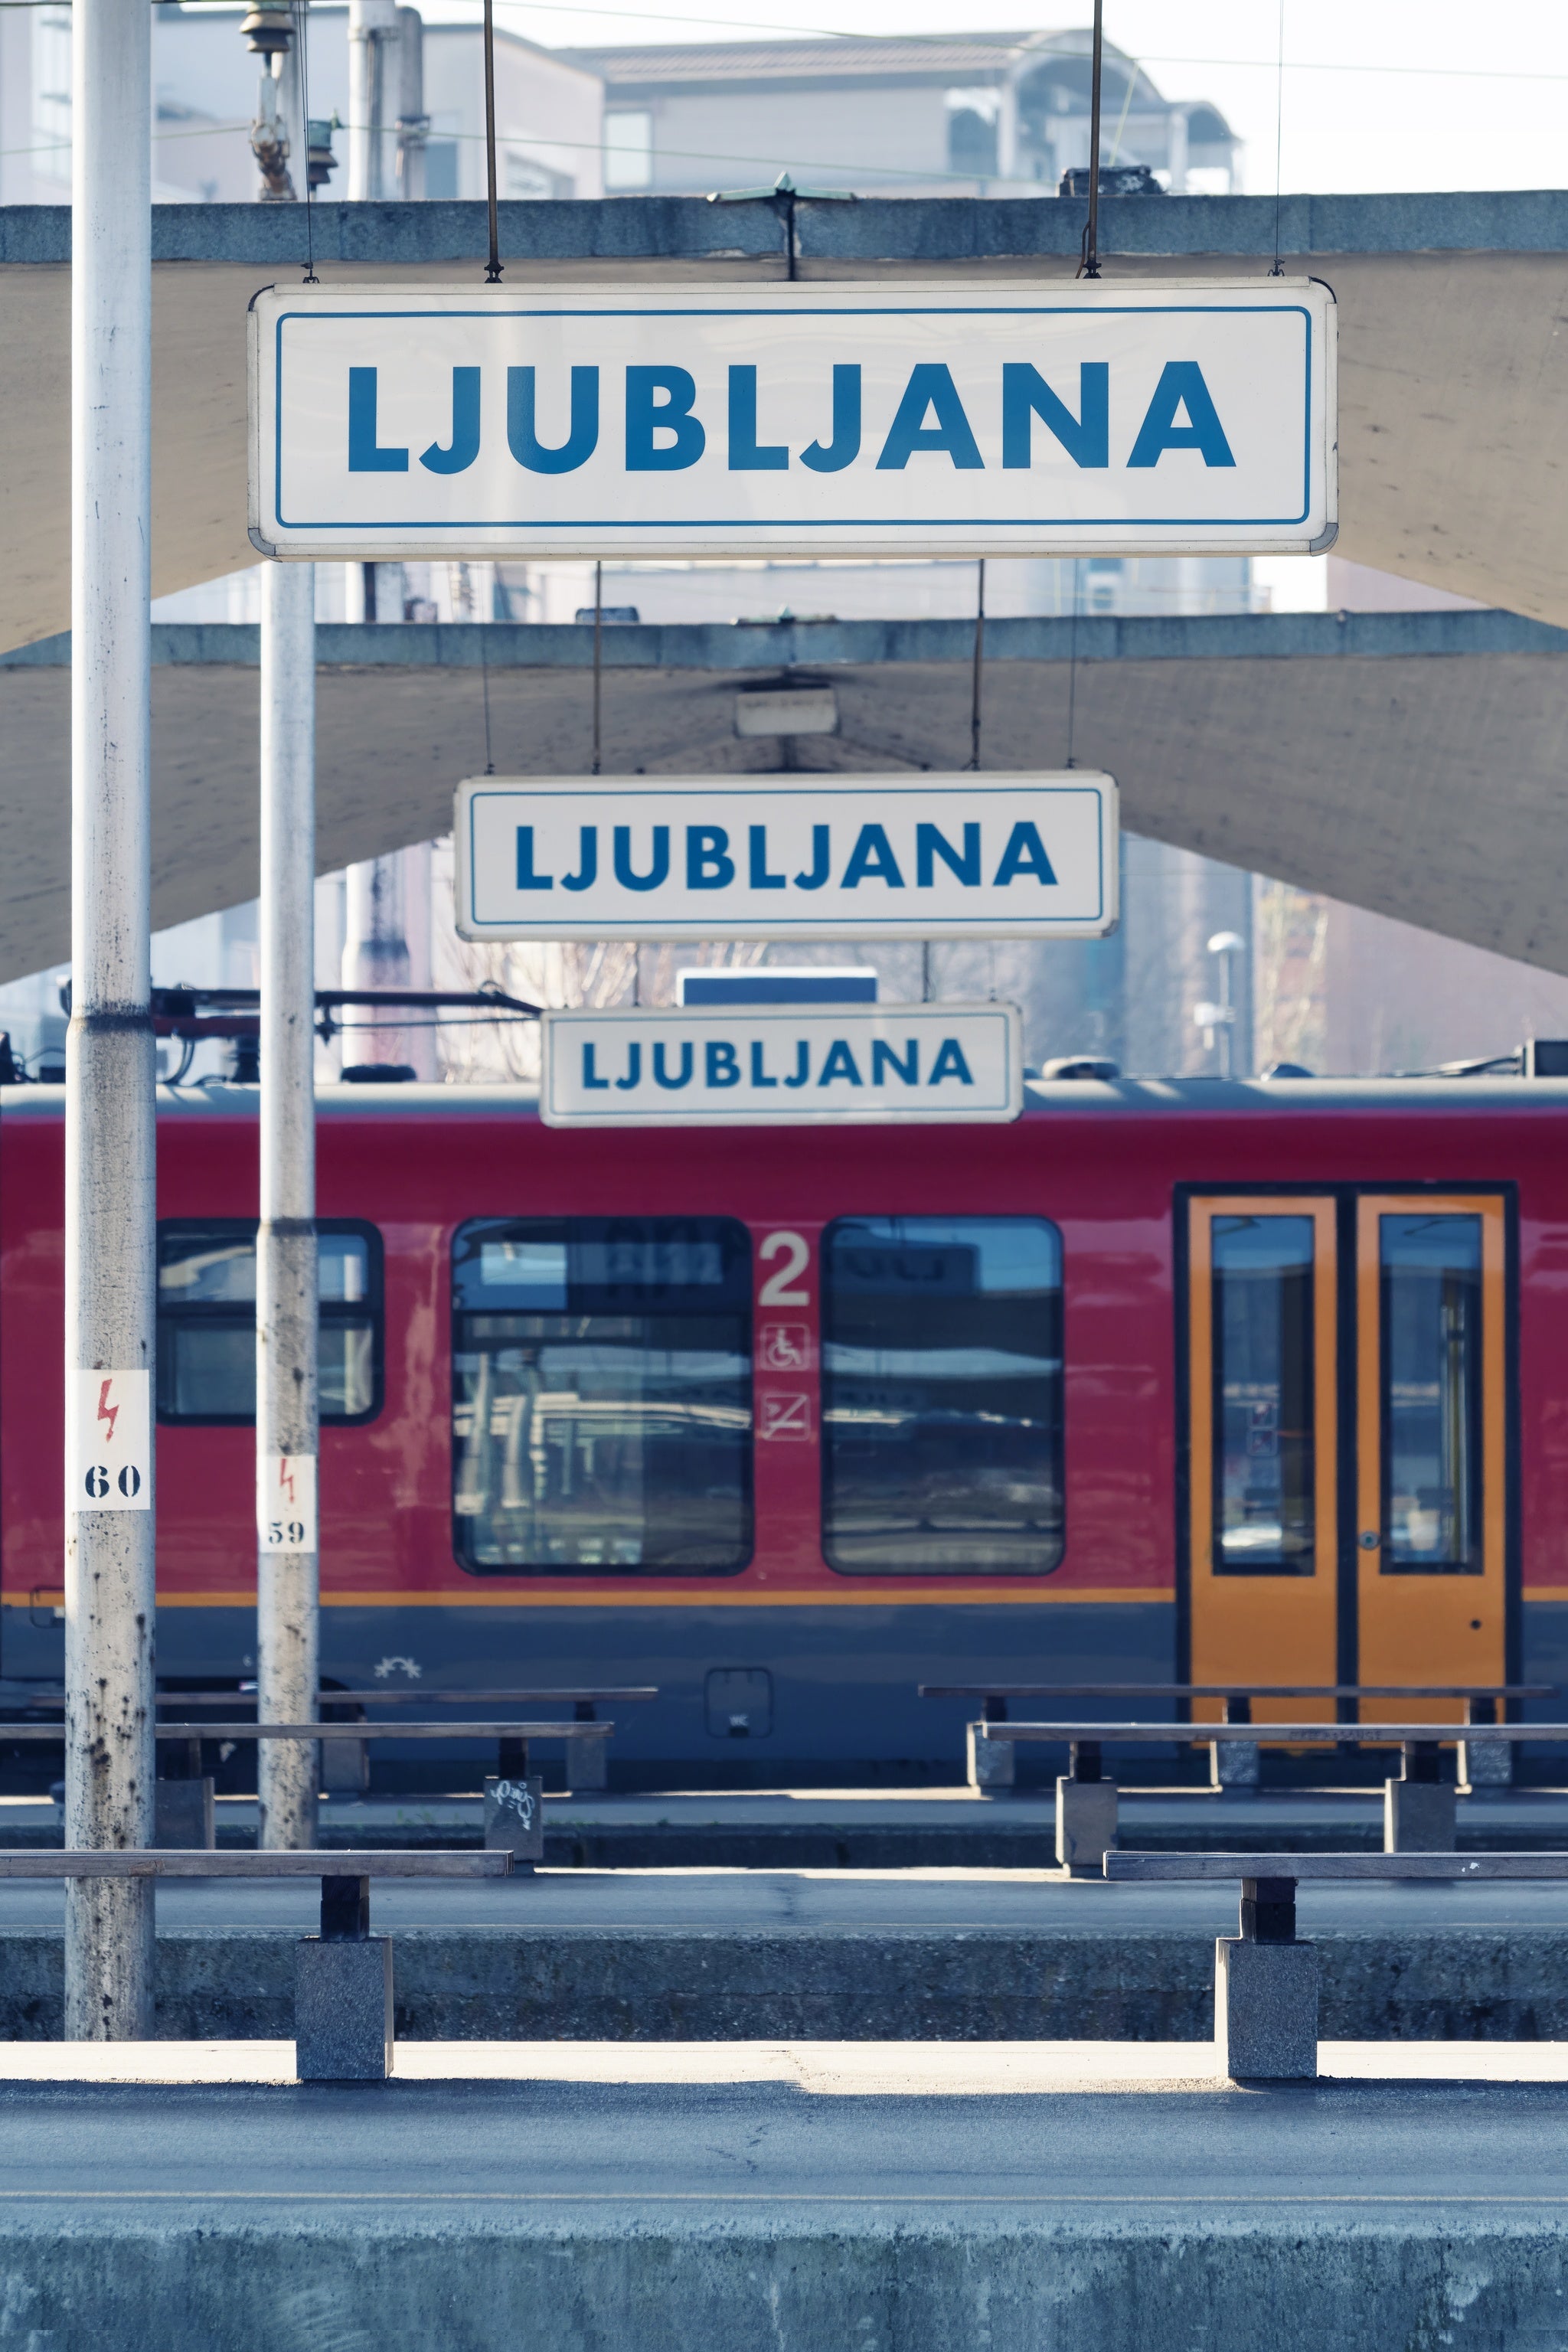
{"points": [[1217, 1020]]}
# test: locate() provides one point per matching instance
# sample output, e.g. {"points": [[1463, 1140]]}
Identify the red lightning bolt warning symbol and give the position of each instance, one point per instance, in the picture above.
{"points": [[107, 1411], [286, 1477]]}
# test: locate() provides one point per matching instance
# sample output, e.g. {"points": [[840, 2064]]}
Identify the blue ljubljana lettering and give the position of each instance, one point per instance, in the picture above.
{"points": [[931, 386], [721, 1065], [950, 1064], [1181, 386], [840, 1064], [366, 454], [527, 879], [745, 455], [708, 865], [1026, 395], [872, 859], [664, 433], [464, 446], [582, 428], [657, 873], [884, 1058], [660, 401], [1024, 854]]}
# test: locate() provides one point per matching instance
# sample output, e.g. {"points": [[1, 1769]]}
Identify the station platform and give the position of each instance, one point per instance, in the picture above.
{"points": [[727, 1957], [761, 2203]]}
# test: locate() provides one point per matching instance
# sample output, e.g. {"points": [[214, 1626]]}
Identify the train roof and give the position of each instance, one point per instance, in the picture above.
{"points": [[1290, 1098]]}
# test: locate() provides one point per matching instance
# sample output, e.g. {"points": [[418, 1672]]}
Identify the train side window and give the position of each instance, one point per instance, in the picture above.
{"points": [[1264, 1438], [207, 1321], [602, 1396], [1429, 1271], [941, 1396]]}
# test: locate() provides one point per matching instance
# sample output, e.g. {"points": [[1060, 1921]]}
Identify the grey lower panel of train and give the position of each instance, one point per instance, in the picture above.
{"points": [[816, 1685]]}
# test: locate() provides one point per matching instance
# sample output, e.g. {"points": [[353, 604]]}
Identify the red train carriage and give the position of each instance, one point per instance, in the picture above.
{"points": [[1166, 1379]]}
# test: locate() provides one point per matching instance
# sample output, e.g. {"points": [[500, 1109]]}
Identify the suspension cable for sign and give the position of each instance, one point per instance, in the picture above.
{"points": [[1089, 266], [1072, 667], [301, 20], [598, 648], [979, 669], [492, 268]]}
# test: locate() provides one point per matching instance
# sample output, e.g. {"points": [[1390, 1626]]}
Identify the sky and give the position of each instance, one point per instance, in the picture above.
{"points": [[1377, 94]]}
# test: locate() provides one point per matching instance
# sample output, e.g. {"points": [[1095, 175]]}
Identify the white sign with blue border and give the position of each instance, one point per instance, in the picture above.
{"points": [[986, 418], [816, 857], [782, 1066]]}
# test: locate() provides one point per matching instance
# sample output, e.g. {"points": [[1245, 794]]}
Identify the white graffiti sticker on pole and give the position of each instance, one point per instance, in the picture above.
{"points": [[109, 1441], [286, 1503]]}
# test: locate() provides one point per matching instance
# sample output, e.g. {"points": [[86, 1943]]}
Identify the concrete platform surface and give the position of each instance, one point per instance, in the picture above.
{"points": [[827, 2069], [606, 2216], [722, 1901], [719, 1956]]}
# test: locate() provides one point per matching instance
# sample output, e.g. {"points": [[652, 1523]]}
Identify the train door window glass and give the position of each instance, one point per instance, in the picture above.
{"points": [[602, 1395], [1430, 1282], [1264, 1438], [206, 1321], [941, 1396]]}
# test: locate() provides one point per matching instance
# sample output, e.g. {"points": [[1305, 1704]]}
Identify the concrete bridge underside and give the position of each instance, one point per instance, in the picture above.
{"points": [[1453, 366], [1416, 764]]}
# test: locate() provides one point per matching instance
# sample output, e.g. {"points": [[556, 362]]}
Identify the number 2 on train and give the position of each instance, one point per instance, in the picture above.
{"points": [[783, 1288]]}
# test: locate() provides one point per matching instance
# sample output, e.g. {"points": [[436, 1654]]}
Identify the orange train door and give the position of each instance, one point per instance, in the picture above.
{"points": [[1404, 1363], [1263, 1470], [1431, 1443]]}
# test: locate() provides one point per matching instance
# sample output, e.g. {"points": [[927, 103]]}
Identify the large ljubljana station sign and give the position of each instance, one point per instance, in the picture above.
{"points": [[813, 421], [988, 418]]}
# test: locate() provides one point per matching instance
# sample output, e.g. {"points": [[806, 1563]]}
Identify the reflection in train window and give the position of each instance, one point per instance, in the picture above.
{"points": [[602, 1395], [941, 1396], [1263, 1431], [207, 1321], [1430, 1273]]}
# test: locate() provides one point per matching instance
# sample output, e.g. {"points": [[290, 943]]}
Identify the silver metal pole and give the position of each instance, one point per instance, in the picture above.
{"points": [[287, 1580], [110, 1066]]}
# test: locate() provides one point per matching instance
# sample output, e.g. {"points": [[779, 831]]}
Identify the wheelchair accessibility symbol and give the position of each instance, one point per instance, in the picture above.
{"points": [[785, 1347]]}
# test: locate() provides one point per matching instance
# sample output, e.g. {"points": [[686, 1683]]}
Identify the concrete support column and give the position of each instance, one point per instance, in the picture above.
{"points": [[110, 1070], [287, 1419]]}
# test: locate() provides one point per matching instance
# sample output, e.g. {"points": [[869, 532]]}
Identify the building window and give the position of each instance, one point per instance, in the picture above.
{"points": [[602, 1395], [941, 1396], [629, 150], [206, 1321], [52, 94]]}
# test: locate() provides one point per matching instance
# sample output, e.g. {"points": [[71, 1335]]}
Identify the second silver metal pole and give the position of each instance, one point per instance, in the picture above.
{"points": [[288, 1587], [109, 1101]]}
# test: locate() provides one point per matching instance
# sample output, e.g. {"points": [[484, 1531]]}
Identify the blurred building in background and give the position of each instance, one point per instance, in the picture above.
{"points": [[966, 114]]}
